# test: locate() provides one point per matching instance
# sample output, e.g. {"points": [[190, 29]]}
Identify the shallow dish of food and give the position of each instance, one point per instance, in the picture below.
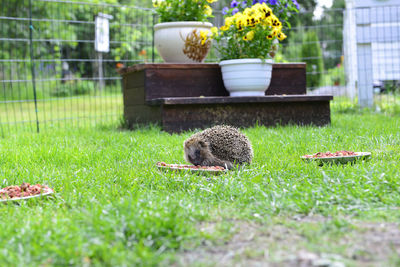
{"points": [[24, 191], [342, 157], [191, 168]]}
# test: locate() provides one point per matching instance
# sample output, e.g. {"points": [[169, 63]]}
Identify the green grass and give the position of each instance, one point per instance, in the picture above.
{"points": [[69, 111], [89, 110], [50, 89], [112, 207]]}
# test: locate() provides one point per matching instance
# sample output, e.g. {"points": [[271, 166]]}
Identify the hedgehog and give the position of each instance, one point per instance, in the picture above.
{"points": [[221, 145]]}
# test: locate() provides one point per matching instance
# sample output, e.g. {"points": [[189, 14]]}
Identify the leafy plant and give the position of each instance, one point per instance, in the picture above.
{"points": [[283, 9], [183, 10], [337, 75], [249, 34], [73, 89], [311, 54]]}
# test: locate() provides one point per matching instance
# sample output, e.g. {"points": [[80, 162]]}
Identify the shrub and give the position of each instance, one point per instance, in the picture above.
{"points": [[73, 88], [312, 55], [334, 76]]}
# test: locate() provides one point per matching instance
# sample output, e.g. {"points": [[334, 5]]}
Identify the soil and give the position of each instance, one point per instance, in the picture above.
{"points": [[368, 244]]}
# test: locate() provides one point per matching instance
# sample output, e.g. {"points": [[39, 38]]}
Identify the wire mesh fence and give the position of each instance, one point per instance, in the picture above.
{"points": [[373, 53], [318, 44], [52, 75], [352, 53]]}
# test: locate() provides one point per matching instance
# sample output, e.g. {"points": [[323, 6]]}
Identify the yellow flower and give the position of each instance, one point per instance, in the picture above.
{"points": [[228, 21], [269, 37], [253, 21], [265, 11], [224, 28], [249, 36], [264, 6], [274, 32], [240, 22], [267, 21], [248, 12], [204, 36], [207, 10], [214, 31], [276, 22], [278, 28], [281, 36], [212, 1], [237, 15], [256, 7]]}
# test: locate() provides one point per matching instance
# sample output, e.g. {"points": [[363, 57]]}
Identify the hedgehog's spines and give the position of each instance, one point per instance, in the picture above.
{"points": [[221, 145]]}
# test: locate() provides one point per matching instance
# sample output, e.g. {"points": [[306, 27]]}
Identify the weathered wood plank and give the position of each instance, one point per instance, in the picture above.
{"points": [[235, 100], [192, 80], [289, 79], [134, 96], [188, 96], [184, 82], [142, 114], [134, 79], [141, 67], [177, 118]]}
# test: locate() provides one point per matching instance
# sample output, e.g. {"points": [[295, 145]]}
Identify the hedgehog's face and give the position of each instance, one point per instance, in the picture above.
{"points": [[196, 151]]}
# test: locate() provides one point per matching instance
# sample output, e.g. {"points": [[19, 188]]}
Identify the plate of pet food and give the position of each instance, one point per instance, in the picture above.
{"points": [[342, 157], [24, 191], [191, 168]]}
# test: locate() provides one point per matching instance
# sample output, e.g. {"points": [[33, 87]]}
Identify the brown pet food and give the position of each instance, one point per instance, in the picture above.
{"points": [[198, 167], [25, 190], [328, 154]]}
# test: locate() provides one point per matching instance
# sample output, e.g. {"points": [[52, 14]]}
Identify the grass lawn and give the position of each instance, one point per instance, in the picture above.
{"points": [[112, 207], [65, 112]]}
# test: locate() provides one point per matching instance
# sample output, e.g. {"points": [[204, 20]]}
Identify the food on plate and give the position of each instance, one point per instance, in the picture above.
{"points": [[328, 154], [25, 190], [194, 167]]}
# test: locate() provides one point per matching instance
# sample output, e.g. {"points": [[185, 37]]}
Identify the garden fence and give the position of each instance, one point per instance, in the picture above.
{"points": [[50, 73], [52, 76]]}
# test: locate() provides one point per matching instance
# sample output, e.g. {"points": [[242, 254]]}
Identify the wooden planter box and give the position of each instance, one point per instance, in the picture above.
{"points": [[187, 96]]}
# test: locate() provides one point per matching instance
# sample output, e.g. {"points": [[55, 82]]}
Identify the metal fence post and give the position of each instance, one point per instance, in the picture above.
{"points": [[32, 64], [152, 41]]}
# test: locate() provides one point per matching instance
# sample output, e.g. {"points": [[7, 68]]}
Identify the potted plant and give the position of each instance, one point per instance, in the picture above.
{"points": [[283, 9], [246, 44], [179, 37]]}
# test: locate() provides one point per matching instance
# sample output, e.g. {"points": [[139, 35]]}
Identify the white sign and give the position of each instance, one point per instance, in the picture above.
{"points": [[102, 33]]}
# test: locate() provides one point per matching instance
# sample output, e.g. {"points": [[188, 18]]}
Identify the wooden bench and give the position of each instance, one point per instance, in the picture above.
{"points": [[182, 97]]}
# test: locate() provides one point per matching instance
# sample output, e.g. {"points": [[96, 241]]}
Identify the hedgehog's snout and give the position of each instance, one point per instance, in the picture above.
{"points": [[195, 158]]}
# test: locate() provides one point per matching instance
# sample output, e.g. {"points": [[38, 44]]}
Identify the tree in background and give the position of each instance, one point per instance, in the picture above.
{"points": [[312, 55], [331, 33], [63, 34], [307, 8]]}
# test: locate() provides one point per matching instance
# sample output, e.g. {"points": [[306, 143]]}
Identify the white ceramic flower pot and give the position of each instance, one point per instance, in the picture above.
{"points": [[169, 39], [247, 76]]}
